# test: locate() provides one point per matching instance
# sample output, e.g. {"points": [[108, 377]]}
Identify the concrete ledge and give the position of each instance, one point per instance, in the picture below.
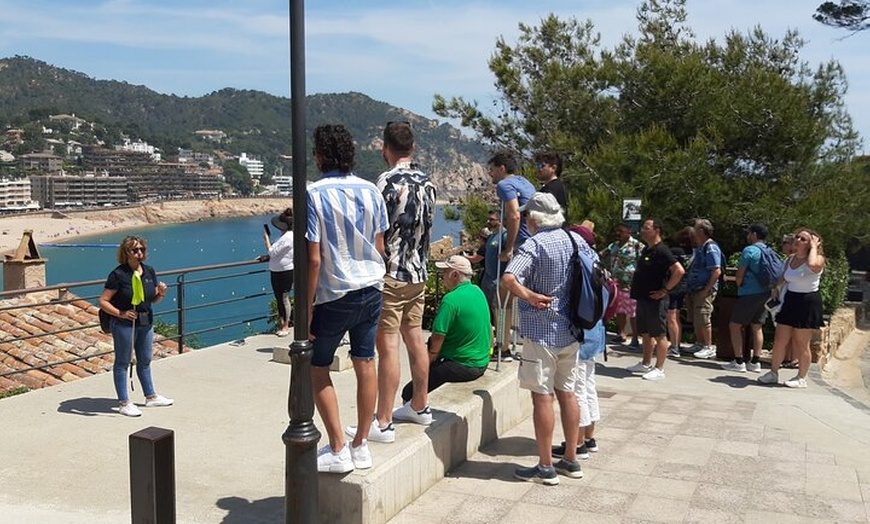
{"points": [[341, 362], [467, 416]]}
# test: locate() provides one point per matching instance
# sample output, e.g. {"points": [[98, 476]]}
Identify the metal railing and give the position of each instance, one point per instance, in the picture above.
{"points": [[184, 282]]}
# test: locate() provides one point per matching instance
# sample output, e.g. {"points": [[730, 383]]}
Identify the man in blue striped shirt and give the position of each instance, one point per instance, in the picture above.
{"points": [[539, 275], [347, 218]]}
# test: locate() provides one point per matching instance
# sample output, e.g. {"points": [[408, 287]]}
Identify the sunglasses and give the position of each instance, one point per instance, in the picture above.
{"points": [[137, 250], [539, 165]]}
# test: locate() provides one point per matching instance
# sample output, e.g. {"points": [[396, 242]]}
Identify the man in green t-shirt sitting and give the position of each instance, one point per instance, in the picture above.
{"points": [[461, 334]]}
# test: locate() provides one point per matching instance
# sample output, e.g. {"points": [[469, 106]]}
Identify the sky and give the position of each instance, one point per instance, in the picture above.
{"points": [[401, 53]]}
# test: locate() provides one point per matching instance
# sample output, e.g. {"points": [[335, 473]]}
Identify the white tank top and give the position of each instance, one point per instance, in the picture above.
{"points": [[802, 279]]}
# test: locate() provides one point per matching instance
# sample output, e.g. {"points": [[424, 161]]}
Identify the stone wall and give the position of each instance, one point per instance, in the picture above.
{"points": [[827, 339]]}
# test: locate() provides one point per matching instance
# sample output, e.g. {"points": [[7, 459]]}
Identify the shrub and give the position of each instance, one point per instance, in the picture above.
{"points": [[834, 283]]}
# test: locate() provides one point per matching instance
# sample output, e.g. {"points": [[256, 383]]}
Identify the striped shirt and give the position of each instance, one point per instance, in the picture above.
{"points": [[345, 214], [542, 264]]}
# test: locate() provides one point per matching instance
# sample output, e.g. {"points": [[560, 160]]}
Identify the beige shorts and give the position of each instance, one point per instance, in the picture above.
{"points": [[700, 307], [402, 305], [544, 371]]}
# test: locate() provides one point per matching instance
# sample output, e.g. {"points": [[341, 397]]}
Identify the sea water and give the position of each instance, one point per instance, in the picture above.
{"points": [[179, 246]]}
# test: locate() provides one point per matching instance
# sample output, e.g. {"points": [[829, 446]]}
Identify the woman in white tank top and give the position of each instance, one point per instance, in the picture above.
{"points": [[801, 311]]}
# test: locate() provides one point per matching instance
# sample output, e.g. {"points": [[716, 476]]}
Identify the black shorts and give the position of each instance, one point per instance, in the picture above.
{"points": [[749, 309], [652, 317], [801, 310]]}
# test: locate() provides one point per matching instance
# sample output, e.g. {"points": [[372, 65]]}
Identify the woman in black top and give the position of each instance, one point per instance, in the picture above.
{"points": [[132, 325]]}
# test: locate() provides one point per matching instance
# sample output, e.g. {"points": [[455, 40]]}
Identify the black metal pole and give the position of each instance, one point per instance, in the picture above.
{"points": [[301, 504]]}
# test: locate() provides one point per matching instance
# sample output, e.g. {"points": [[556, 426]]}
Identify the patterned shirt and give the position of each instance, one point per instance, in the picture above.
{"points": [[410, 200], [623, 261], [542, 264], [345, 214]]}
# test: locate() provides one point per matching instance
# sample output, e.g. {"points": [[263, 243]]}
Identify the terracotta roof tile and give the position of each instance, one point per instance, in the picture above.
{"points": [[40, 314]]}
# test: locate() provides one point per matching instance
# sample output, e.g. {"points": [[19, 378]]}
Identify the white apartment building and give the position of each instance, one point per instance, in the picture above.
{"points": [[15, 195], [254, 166], [140, 147]]}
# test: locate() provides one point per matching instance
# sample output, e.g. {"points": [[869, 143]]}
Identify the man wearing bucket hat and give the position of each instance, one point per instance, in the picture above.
{"points": [[460, 342], [538, 275]]}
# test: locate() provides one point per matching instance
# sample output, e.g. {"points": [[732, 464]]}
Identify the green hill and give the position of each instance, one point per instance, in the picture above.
{"points": [[255, 122]]}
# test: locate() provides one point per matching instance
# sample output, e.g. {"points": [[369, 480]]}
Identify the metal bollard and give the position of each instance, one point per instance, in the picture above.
{"points": [[152, 476], [301, 499]]}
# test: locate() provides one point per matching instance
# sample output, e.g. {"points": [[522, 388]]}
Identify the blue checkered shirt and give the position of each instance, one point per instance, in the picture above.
{"points": [[542, 264]]}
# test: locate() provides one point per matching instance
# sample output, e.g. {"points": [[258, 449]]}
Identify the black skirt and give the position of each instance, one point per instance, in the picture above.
{"points": [[801, 310]]}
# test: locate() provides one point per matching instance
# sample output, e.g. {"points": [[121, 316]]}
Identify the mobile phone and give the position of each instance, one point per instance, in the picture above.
{"points": [[772, 303], [266, 229]]}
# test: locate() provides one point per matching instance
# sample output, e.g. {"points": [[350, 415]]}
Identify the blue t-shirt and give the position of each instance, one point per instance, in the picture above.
{"points": [[515, 187], [750, 258], [707, 258]]}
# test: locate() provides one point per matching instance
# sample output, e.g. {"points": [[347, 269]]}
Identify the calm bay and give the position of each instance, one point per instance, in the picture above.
{"points": [[178, 246]]}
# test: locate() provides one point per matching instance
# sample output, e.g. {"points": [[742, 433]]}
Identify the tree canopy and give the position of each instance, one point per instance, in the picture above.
{"points": [[737, 132], [853, 15]]}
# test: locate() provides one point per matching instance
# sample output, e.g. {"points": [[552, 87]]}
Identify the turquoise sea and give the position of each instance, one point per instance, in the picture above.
{"points": [[179, 246]]}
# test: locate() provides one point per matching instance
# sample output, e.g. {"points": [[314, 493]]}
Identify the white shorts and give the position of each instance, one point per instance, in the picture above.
{"points": [[587, 395], [543, 370]]}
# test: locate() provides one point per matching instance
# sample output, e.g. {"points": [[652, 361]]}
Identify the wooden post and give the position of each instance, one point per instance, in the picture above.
{"points": [[152, 476]]}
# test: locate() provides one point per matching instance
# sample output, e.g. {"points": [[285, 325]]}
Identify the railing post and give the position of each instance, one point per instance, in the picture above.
{"points": [[152, 476], [179, 293]]}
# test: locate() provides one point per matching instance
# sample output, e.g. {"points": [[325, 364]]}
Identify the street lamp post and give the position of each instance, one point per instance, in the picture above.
{"points": [[301, 503]]}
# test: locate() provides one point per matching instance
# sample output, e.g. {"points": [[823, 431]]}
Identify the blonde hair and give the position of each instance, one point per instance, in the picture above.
{"points": [[797, 232], [126, 245]]}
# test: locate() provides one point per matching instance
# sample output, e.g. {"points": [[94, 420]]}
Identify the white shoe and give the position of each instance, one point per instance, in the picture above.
{"points": [[706, 352], [129, 409], [158, 401], [282, 333], [753, 367], [771, 377], [640, 367], [654, 374], [796, 382], [330, 462], [407, 414], [361, 456], [376, 434], [734, 366]]}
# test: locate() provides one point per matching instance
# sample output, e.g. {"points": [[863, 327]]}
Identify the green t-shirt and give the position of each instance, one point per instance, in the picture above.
{"points": [[463, 319]]}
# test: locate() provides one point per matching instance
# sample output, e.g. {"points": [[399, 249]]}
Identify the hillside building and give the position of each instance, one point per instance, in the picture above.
{"points": [[45, 162], [254, 166], [15, 195], [59, 191]]}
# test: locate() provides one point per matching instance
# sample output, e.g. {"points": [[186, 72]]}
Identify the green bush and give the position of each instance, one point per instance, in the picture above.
{"points": [[834, 283]]}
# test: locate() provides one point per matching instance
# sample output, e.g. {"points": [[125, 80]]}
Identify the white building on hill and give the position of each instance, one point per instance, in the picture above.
{"points": [[254, 166]]}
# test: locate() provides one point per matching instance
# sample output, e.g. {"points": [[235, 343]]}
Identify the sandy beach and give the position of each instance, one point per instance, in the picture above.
{"points": [[60, 226]]}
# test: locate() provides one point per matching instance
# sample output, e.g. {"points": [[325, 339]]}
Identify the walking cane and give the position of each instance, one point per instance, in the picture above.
{"points": [[138, 298]]}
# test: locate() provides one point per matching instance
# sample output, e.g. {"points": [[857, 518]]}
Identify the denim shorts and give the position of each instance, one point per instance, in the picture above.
{"points": [[356, 313]]}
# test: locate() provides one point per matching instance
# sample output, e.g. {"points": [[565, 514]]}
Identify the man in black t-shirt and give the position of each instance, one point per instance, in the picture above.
{"points": [[548, 169], [657, 273]]}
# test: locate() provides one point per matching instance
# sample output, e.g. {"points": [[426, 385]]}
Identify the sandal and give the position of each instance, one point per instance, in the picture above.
{"points": [[790, 365]]}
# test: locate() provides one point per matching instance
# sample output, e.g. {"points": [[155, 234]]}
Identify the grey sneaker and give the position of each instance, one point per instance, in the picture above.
{"points": [[540, 474], [753, 367], [640, 367], [734, 366], [771, 377], [569, 469], [407, 414], [674, 351]]}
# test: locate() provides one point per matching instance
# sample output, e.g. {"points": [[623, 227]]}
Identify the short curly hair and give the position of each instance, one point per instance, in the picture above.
{"points": [[334, 144]]}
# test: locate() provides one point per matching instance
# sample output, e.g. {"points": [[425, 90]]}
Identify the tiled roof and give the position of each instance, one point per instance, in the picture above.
{"points": [[24, 344]]}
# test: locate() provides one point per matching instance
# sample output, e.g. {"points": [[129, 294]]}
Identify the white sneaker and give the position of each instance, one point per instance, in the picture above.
{"points": [[406, 413], [753, 367], [361, 456], [654, 374], [771, 377], [706, 352], [796, 382], [330, 462], [129, 409], [640, 367], [158, 401], [376, 434], [674, 351], [734, 366]]}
